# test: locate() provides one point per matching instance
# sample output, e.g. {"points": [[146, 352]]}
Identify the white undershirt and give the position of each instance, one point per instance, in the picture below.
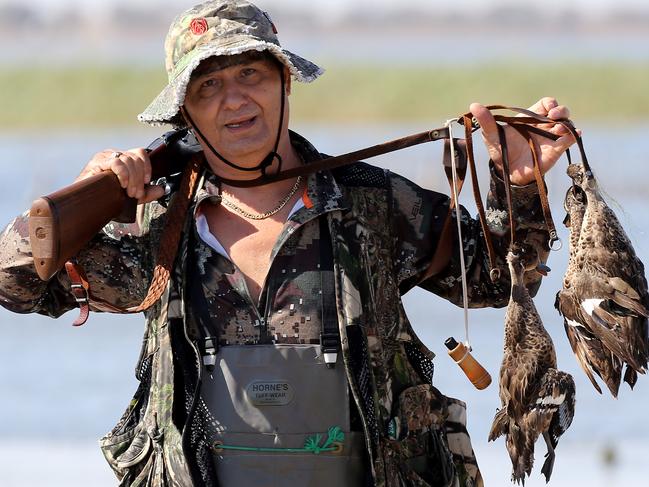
{"points": [[210, 239]]}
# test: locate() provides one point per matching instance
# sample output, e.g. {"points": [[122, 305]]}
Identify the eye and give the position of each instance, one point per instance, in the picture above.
{"points": [[249, 75], [206, 87]]}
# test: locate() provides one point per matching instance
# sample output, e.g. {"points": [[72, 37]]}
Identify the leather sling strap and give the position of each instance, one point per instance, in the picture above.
{"points": [[175, 220], [178, 211], [344, 159], [525, 124]]}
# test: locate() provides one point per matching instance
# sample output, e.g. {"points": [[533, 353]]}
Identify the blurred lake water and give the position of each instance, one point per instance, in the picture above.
{"points": [[63, 387]]}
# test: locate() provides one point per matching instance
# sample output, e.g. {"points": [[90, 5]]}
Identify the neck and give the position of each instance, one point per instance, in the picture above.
{"points": [[288, 158], [518, 289], [260, 198]]}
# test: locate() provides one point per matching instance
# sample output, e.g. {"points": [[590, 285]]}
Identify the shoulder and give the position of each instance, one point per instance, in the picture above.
{"points": [[362, 174]]}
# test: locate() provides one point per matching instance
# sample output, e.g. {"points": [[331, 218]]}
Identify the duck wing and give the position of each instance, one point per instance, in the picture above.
{"points": [[621, 330], [552, 412], [593, 356]]}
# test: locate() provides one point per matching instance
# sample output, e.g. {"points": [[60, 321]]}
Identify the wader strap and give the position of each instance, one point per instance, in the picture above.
{"points": [[330, 334], [208, 331]]}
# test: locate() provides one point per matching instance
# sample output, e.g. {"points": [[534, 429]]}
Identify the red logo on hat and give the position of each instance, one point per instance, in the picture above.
{"points": [[198, 26]]}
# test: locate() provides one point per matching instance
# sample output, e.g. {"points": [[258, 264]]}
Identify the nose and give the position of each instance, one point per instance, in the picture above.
{"points": [[233, 97]]}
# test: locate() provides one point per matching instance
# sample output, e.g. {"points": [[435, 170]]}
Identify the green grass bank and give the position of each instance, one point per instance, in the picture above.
{"points": [[112, 96]]}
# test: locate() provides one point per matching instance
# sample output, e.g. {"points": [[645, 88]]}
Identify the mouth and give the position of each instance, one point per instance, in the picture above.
{"points": [[241, 124]]}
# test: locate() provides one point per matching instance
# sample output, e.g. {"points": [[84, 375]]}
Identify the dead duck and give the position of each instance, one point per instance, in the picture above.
{"points": [[590, 352], [606, 292], [536, 398]]}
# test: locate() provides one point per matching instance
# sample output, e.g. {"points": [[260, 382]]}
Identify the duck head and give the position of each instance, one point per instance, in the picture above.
{"points": [[575, 204], [581, 177], [522, 258]]}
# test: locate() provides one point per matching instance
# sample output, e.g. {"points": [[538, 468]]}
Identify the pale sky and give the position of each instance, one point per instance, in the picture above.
{"points": [[337, 5]]}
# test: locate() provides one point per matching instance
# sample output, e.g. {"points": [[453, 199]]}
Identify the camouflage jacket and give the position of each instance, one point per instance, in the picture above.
{"points": [[384, 231]]}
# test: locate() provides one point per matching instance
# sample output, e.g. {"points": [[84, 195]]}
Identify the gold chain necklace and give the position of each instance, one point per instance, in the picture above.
{"points": [[261, 216]]}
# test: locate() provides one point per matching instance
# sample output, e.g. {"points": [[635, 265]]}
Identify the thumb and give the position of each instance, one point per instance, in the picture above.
{"points": [[487, 123], [152, 192]]}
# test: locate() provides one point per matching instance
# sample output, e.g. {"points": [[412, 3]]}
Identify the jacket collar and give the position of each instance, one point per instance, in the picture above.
{"points": [[322, 193]]}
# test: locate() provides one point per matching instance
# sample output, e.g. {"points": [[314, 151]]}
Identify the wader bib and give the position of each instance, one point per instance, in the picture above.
{"points": [[282, 418]]}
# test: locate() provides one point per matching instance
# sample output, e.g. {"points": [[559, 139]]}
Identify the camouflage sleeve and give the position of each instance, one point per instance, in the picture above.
{"points": [[117, 263], [418, 217]]}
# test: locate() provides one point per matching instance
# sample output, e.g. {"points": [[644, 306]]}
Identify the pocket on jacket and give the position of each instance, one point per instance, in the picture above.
{"points": [[419, 444], [125, 453]]}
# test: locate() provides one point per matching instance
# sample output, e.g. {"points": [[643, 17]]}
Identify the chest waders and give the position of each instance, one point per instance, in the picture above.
{"points": [[281, 418], [280, 413]]}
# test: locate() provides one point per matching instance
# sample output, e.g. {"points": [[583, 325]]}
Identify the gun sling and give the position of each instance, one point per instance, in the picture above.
{"points": [[525, 123]]}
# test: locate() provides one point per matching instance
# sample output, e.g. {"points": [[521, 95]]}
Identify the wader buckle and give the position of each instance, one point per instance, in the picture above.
{"points": [[209, 354], [330, 348]]}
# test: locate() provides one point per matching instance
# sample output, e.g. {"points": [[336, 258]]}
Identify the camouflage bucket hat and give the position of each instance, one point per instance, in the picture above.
{"points": [[217, 28]]}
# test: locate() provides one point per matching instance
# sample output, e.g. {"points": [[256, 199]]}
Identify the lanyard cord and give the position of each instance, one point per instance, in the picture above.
{"points": [[458, 218]]}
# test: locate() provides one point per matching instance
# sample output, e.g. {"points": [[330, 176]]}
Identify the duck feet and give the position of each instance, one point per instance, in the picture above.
{"points": [[548, 465]]}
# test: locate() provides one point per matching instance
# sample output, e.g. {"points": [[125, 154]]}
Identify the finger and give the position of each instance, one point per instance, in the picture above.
{"points": [[143, 156], [151, 193], [487, 124], [99, 162], [544, 105], [558, 112], [135, 187], [564, 142], [120, 169], [558, 148]]}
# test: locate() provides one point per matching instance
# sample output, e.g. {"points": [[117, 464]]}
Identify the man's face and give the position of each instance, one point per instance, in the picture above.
{"points": [[237, 109]]}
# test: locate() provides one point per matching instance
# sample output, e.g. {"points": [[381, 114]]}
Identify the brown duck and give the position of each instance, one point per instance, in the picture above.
{"points": [[604, 299], [591, 353], [536, 398]]}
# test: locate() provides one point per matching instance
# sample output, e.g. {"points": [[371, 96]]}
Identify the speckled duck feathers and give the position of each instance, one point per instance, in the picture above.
{"points": [[536, 398], [604, 298]]}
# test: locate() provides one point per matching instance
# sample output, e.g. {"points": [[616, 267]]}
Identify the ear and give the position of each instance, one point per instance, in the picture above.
{"points": [[287, 80]]}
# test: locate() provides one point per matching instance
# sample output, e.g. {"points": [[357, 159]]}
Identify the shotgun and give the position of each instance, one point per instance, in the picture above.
{"points": [[61, 223]]}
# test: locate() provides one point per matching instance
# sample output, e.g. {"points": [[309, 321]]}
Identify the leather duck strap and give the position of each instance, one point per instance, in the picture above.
{"points": [[543, 196], [469, 127], [508, 184]]}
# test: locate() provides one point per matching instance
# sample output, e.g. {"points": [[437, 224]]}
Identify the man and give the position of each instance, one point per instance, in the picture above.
{"points": [[241, 377]]}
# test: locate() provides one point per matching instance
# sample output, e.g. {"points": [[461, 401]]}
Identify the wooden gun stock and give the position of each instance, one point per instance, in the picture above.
{"points": [[62, 223]]}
